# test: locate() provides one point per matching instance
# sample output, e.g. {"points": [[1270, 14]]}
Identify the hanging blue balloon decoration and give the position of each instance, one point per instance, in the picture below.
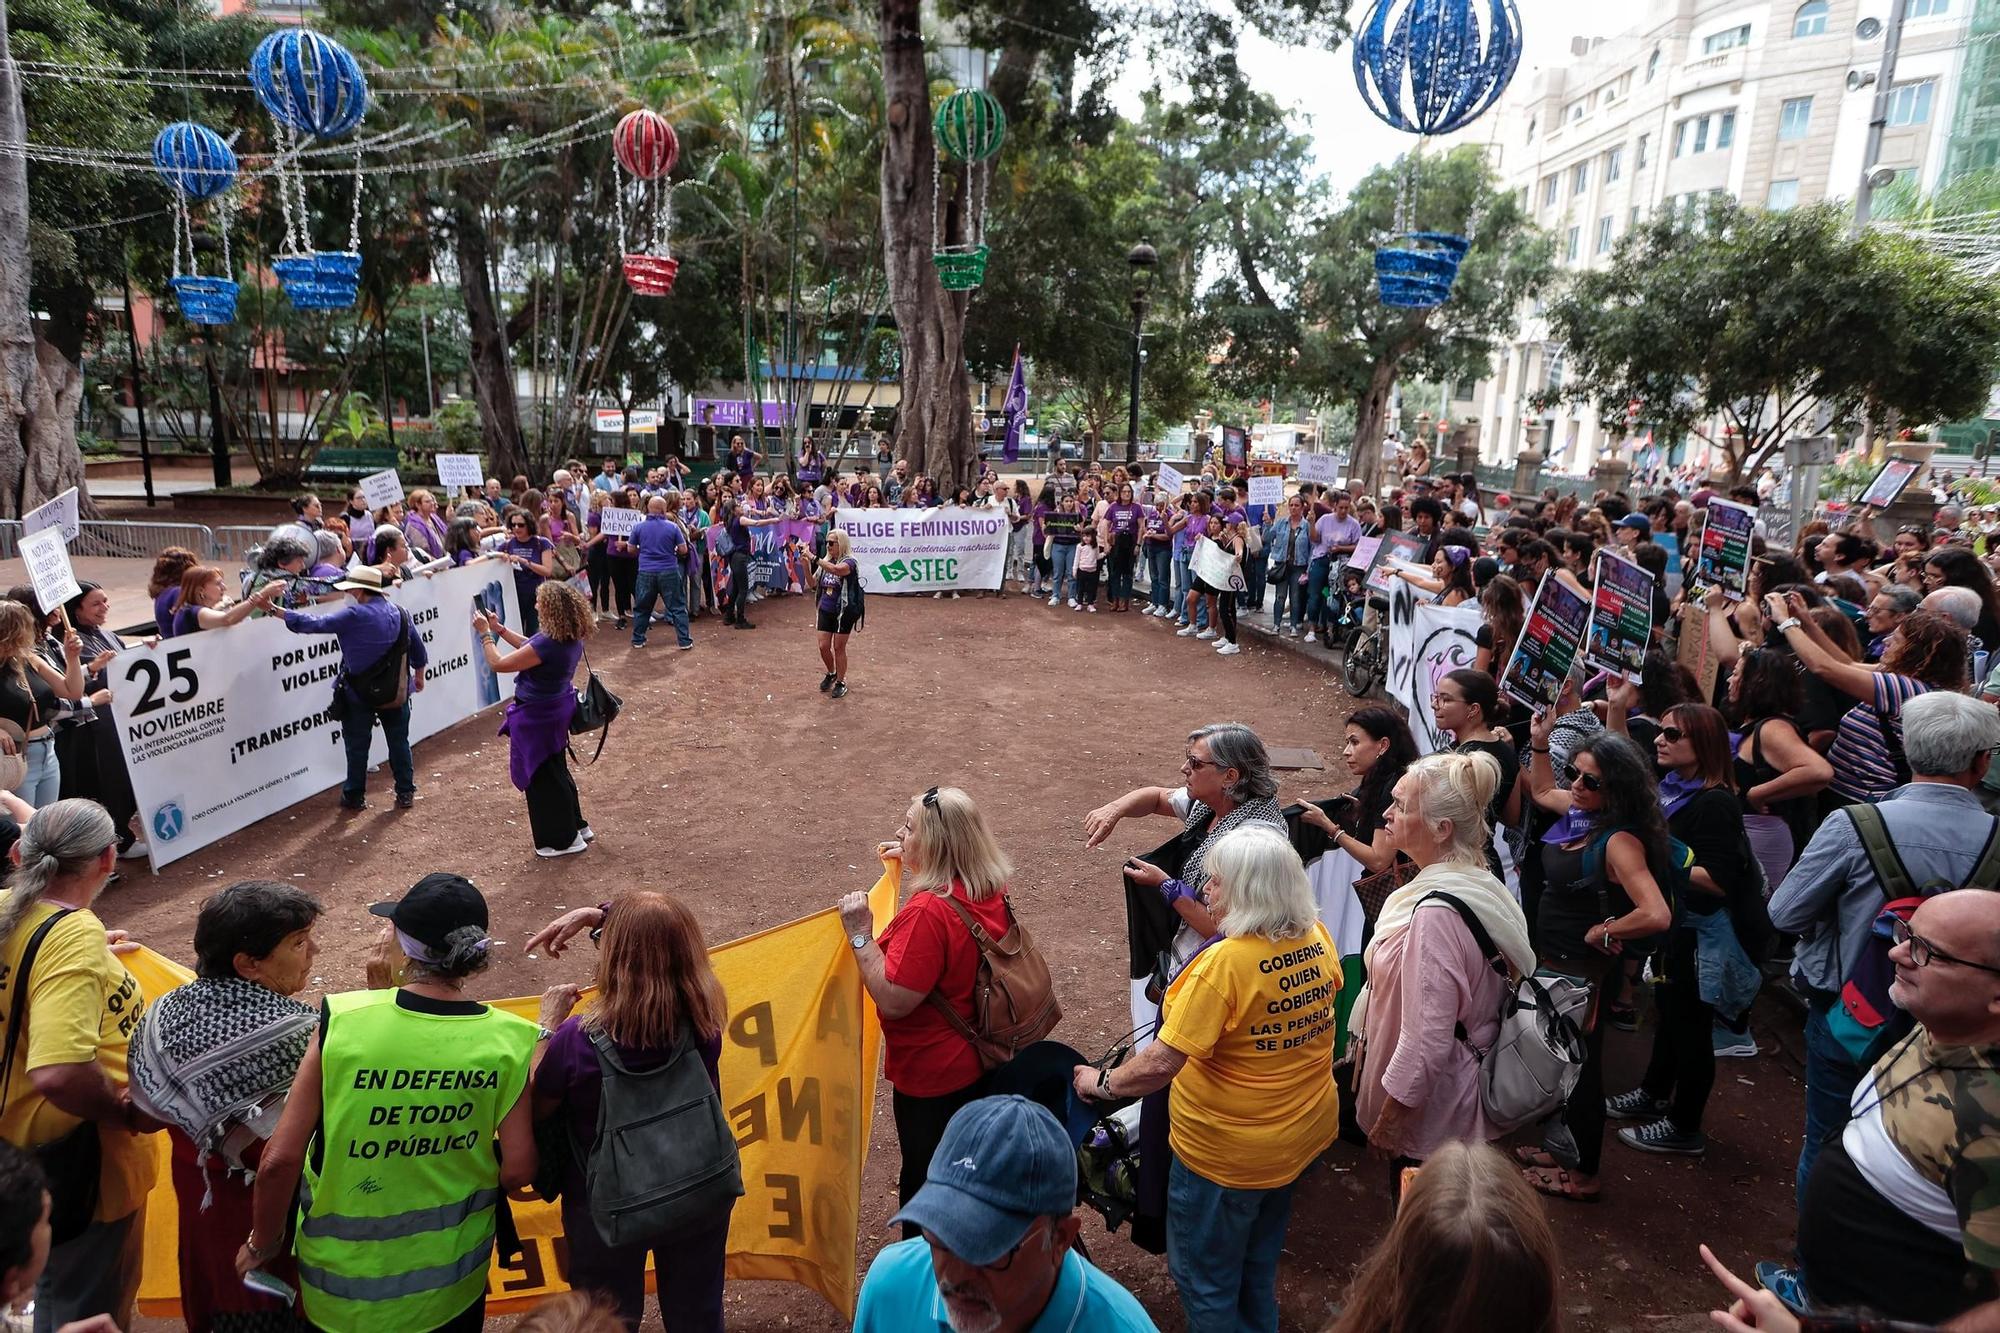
{"points": [[310, 84], [1418, 274], [1432, 66], [194, 160]]}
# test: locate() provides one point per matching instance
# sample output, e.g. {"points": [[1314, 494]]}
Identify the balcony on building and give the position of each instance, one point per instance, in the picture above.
{"points": [[1711, 71]]}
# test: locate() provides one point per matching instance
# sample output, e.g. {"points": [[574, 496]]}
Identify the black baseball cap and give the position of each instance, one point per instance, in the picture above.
{"points": [[435, 906]]}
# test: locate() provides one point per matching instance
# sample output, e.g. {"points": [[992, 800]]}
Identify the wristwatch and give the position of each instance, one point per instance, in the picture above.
{"points": [[1104, 1082], [860, 939], [542, 1034], [1788, 623]]}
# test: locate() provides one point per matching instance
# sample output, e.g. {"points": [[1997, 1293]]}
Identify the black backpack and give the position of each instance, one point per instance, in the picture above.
{"points": [[386, 685], [664, 1161]]}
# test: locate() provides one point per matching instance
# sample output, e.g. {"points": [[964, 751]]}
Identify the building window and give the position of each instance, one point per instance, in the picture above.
{"points": [[1632, 219], [1725, 40], [1910, 104], [1579, 178], [1652, 64], [1782, 195], [1692, 134], [1794, 117], [1810, 21], [1725, 132], [1645, 142], [1531, 129], [1604, 233], [1681, 133], [1928, 9], [1548, 191], [1574, 248], [1574, 111], [1701, 134], [1614, 162]]}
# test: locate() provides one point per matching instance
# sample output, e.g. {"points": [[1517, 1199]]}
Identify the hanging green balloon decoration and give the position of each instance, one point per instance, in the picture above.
{"points": [[969, 127]]}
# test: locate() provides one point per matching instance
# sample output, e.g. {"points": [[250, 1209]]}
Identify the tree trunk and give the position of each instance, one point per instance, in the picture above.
{"points": [[492, 368], [39, 385], [1365, 464], [934, 422]]}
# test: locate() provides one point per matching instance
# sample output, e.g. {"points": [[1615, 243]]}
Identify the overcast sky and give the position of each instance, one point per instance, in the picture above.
{"points": [[1318, 87]]}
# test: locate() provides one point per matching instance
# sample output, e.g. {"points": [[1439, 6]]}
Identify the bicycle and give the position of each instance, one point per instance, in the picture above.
{"points": [[1364, 658]]}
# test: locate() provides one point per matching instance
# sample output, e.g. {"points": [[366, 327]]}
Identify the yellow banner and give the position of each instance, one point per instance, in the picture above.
{"points": [[798, 1085]]}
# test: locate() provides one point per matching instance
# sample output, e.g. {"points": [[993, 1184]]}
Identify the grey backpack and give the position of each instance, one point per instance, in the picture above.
{"points": [[1529, 1070], [664, 1161]]}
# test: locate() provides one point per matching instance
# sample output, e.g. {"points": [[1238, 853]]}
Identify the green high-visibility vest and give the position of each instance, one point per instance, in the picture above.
{"points": [[396, 1221]]}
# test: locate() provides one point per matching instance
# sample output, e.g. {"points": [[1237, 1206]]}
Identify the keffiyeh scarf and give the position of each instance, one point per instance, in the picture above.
{"points": [[1194, 873], [209, 1054]]}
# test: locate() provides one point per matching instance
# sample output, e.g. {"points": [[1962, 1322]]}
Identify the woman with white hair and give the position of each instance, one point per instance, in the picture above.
{"points": [[1432, 999], [1247, 1043]]}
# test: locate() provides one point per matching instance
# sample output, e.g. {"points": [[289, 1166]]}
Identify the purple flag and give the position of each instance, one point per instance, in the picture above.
{"points": [[1016, 409]]}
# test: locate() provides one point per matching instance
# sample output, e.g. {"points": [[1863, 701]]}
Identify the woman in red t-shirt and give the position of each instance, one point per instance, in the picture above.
{"points": [[927, 956]]}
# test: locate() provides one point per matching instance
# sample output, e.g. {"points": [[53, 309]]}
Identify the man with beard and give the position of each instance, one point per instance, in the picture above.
{"points": [[997, 1254]]}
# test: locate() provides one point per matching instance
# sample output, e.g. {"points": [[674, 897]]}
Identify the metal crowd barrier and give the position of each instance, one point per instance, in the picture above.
{"points": [[122, 539], [234, 543]]}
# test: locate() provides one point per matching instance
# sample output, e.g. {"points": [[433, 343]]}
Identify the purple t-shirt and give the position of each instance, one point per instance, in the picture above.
{"points": [[526, 581], [1156, 525], [163, 611], [569, 1071], [1329, 532], [1124, 518], [552, 677]]}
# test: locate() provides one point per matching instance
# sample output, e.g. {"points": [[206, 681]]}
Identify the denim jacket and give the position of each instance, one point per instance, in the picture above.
{"points": [[1288, 544]]}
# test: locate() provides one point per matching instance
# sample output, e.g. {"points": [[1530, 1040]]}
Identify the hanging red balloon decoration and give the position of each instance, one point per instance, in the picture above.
{"points": [[646, 144]]}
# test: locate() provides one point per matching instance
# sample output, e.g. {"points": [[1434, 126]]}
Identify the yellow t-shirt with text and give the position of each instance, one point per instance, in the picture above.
{"points": [[1255, 1102], [82, 1006]]}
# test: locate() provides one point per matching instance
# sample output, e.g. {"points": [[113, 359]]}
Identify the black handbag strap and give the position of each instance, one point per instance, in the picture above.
{"points": [[603, 732], [19, 1005]]}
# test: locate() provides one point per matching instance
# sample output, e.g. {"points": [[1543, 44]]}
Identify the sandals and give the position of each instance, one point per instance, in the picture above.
{"points": [[1559, 1183], [1536, 1157]]}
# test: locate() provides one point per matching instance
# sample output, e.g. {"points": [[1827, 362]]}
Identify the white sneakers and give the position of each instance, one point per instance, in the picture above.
{"points": [[1206, 634], [1092, 608], [1226, 649], [1309, 637], [579, 845], [1074, 604], [1052, 601], [1184, 632]]}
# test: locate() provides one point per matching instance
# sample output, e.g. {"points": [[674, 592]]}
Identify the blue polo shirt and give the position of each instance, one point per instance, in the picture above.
{"points": [[656, 539], [900, 1295], [366, 630]]}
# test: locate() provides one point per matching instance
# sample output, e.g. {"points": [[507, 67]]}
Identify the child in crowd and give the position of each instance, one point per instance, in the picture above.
{"points": [[1086, 571]]}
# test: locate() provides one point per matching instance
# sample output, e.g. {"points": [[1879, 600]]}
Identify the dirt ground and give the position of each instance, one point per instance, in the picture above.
{"points": [[731, 782]]}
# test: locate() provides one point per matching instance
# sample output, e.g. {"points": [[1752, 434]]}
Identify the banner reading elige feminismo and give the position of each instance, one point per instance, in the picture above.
{"points": [[928, 550], [223, 727]]}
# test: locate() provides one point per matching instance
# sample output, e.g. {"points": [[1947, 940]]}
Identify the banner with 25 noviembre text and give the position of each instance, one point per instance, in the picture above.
{"points": [[227, 726]]}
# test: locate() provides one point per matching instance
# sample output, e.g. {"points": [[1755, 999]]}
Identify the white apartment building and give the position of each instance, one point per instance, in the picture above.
{"points": [[1702, 97]]}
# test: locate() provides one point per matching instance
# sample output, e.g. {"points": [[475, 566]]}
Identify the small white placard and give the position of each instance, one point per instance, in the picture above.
{"points": [[459, 470], [1170, 481], [382, 489], [57, 513], [1322, 468], [615, 521], [1267, 491], [47, 559]]}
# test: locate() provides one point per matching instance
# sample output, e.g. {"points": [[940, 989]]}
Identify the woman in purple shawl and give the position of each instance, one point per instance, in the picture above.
{"points": [[537, 722]]}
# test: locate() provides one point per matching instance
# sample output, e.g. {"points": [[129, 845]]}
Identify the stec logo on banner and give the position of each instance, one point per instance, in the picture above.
{"points": [[249, 708]]}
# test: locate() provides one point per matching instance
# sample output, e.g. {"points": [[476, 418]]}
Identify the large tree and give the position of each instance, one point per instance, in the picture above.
{"points": [[1760, 322]]}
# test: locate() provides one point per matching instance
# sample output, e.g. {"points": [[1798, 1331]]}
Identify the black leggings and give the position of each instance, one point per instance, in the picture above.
{"points": [[624, 578], [597, 563], [1225, 606], [739, 585], [1683, 1063], [920, 1123]]}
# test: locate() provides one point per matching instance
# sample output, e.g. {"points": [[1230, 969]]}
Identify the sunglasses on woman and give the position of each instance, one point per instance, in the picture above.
{"points": [[1575, 776], [1672, 735]]}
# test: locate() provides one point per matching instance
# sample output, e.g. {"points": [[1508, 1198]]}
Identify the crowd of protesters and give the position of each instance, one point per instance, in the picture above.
{"points": [[1806, 815]]}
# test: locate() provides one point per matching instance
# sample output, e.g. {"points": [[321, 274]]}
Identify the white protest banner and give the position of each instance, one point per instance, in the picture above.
{"points": [[927, 550], [1323, 468], [1216, 567], [381, 489], [57, 513], [460, 470], [1267, 491], [618, 521], [227, 726], [47, 559], [1364, 553], [1170, 481], [1427, 641]]}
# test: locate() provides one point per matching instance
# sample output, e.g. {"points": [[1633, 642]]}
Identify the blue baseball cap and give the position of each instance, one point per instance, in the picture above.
{"points": [[1003, 1162]]}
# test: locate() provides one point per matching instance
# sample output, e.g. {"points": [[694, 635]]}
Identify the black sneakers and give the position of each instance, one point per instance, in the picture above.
{"points": [[1662, 1136], [840, 689], [1637, 1104], [826, 682]]}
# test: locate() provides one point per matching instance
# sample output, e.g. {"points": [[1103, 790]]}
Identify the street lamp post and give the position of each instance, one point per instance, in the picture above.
{"points": [[1142, 258]]}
